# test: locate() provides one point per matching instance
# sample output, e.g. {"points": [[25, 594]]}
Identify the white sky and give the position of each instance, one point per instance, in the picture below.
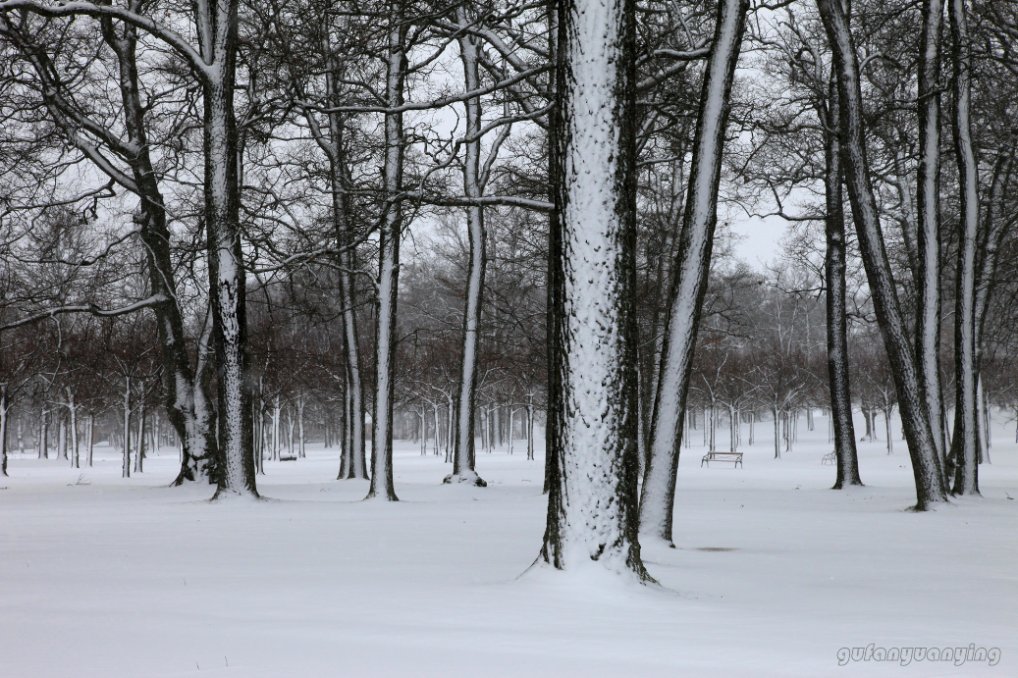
{"points": [[759, 241]]}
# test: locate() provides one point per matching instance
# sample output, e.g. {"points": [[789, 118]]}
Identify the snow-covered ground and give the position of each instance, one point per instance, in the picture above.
{"points": [[775, 575]]}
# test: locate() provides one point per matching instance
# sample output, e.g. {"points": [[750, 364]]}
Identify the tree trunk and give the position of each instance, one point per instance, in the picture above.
{"points": [[463, 463], [592, 498], [125, 470], [777, 432], [217, 34], [928, 278], [926, 464], [181, 383], [837, 318], [90, 437], [530, 426], [354, 462], [388, 255], [139, 459], [966, 480], [888, 411], [4, 410], [689, 278], [72, 409]]}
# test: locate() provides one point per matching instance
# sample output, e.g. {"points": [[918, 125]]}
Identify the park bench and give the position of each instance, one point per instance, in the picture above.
{"points": [[829, 458], [734, 457]]}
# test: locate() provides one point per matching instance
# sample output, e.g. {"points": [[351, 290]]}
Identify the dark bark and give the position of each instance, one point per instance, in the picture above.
{"points": [[966, 480], [928, 206], [926, 463], [837, 324]]}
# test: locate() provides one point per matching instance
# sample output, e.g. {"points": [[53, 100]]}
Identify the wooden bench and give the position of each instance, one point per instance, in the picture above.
{"points": [[829, 458], [734, 457]]}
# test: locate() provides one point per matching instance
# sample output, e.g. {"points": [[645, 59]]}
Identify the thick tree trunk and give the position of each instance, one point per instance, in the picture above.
{"points": [[689, 278], [837, 318], [928, 278], [181, 384], [966, 480], [217, 34], [592, 502], [388, 255], [463, 465], [915, 417], [355, 465], [554, 273]]}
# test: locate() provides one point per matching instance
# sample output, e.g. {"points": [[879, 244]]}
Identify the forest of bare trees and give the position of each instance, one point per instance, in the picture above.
{"points": [[239, 227]]}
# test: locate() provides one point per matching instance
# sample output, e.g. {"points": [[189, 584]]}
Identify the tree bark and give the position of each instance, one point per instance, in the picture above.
{"points": [[837, 323], [689, 278], [388, 273], [125, 470], [926, 464], [4, 410], [592, 506], [464, 457], [216, 24], [966, 480], [928, 278]]}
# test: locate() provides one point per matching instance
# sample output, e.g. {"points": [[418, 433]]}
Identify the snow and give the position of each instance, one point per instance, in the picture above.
{"points": [[773, 575]]}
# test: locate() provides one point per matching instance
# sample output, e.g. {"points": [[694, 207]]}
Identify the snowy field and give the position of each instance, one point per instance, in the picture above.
{"points": [[775, 575]]}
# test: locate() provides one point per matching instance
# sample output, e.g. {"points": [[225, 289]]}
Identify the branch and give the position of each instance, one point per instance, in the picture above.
{"points": [[92, 309], [175, 40]]}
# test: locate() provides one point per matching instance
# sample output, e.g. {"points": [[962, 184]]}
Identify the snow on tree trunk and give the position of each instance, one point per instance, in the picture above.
{"points": [[689, 278], [125, 470], [592, 499], [840, 421], [388, 265], [4, 410], [966, 480], [90, 437], [928, 202], [72, 410], [777, 432], [301, 449], [139, 458], [464, 457], [354, 465], [216, 27], [43, 442], [888, 411], [926, 464], [180, 382]]}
